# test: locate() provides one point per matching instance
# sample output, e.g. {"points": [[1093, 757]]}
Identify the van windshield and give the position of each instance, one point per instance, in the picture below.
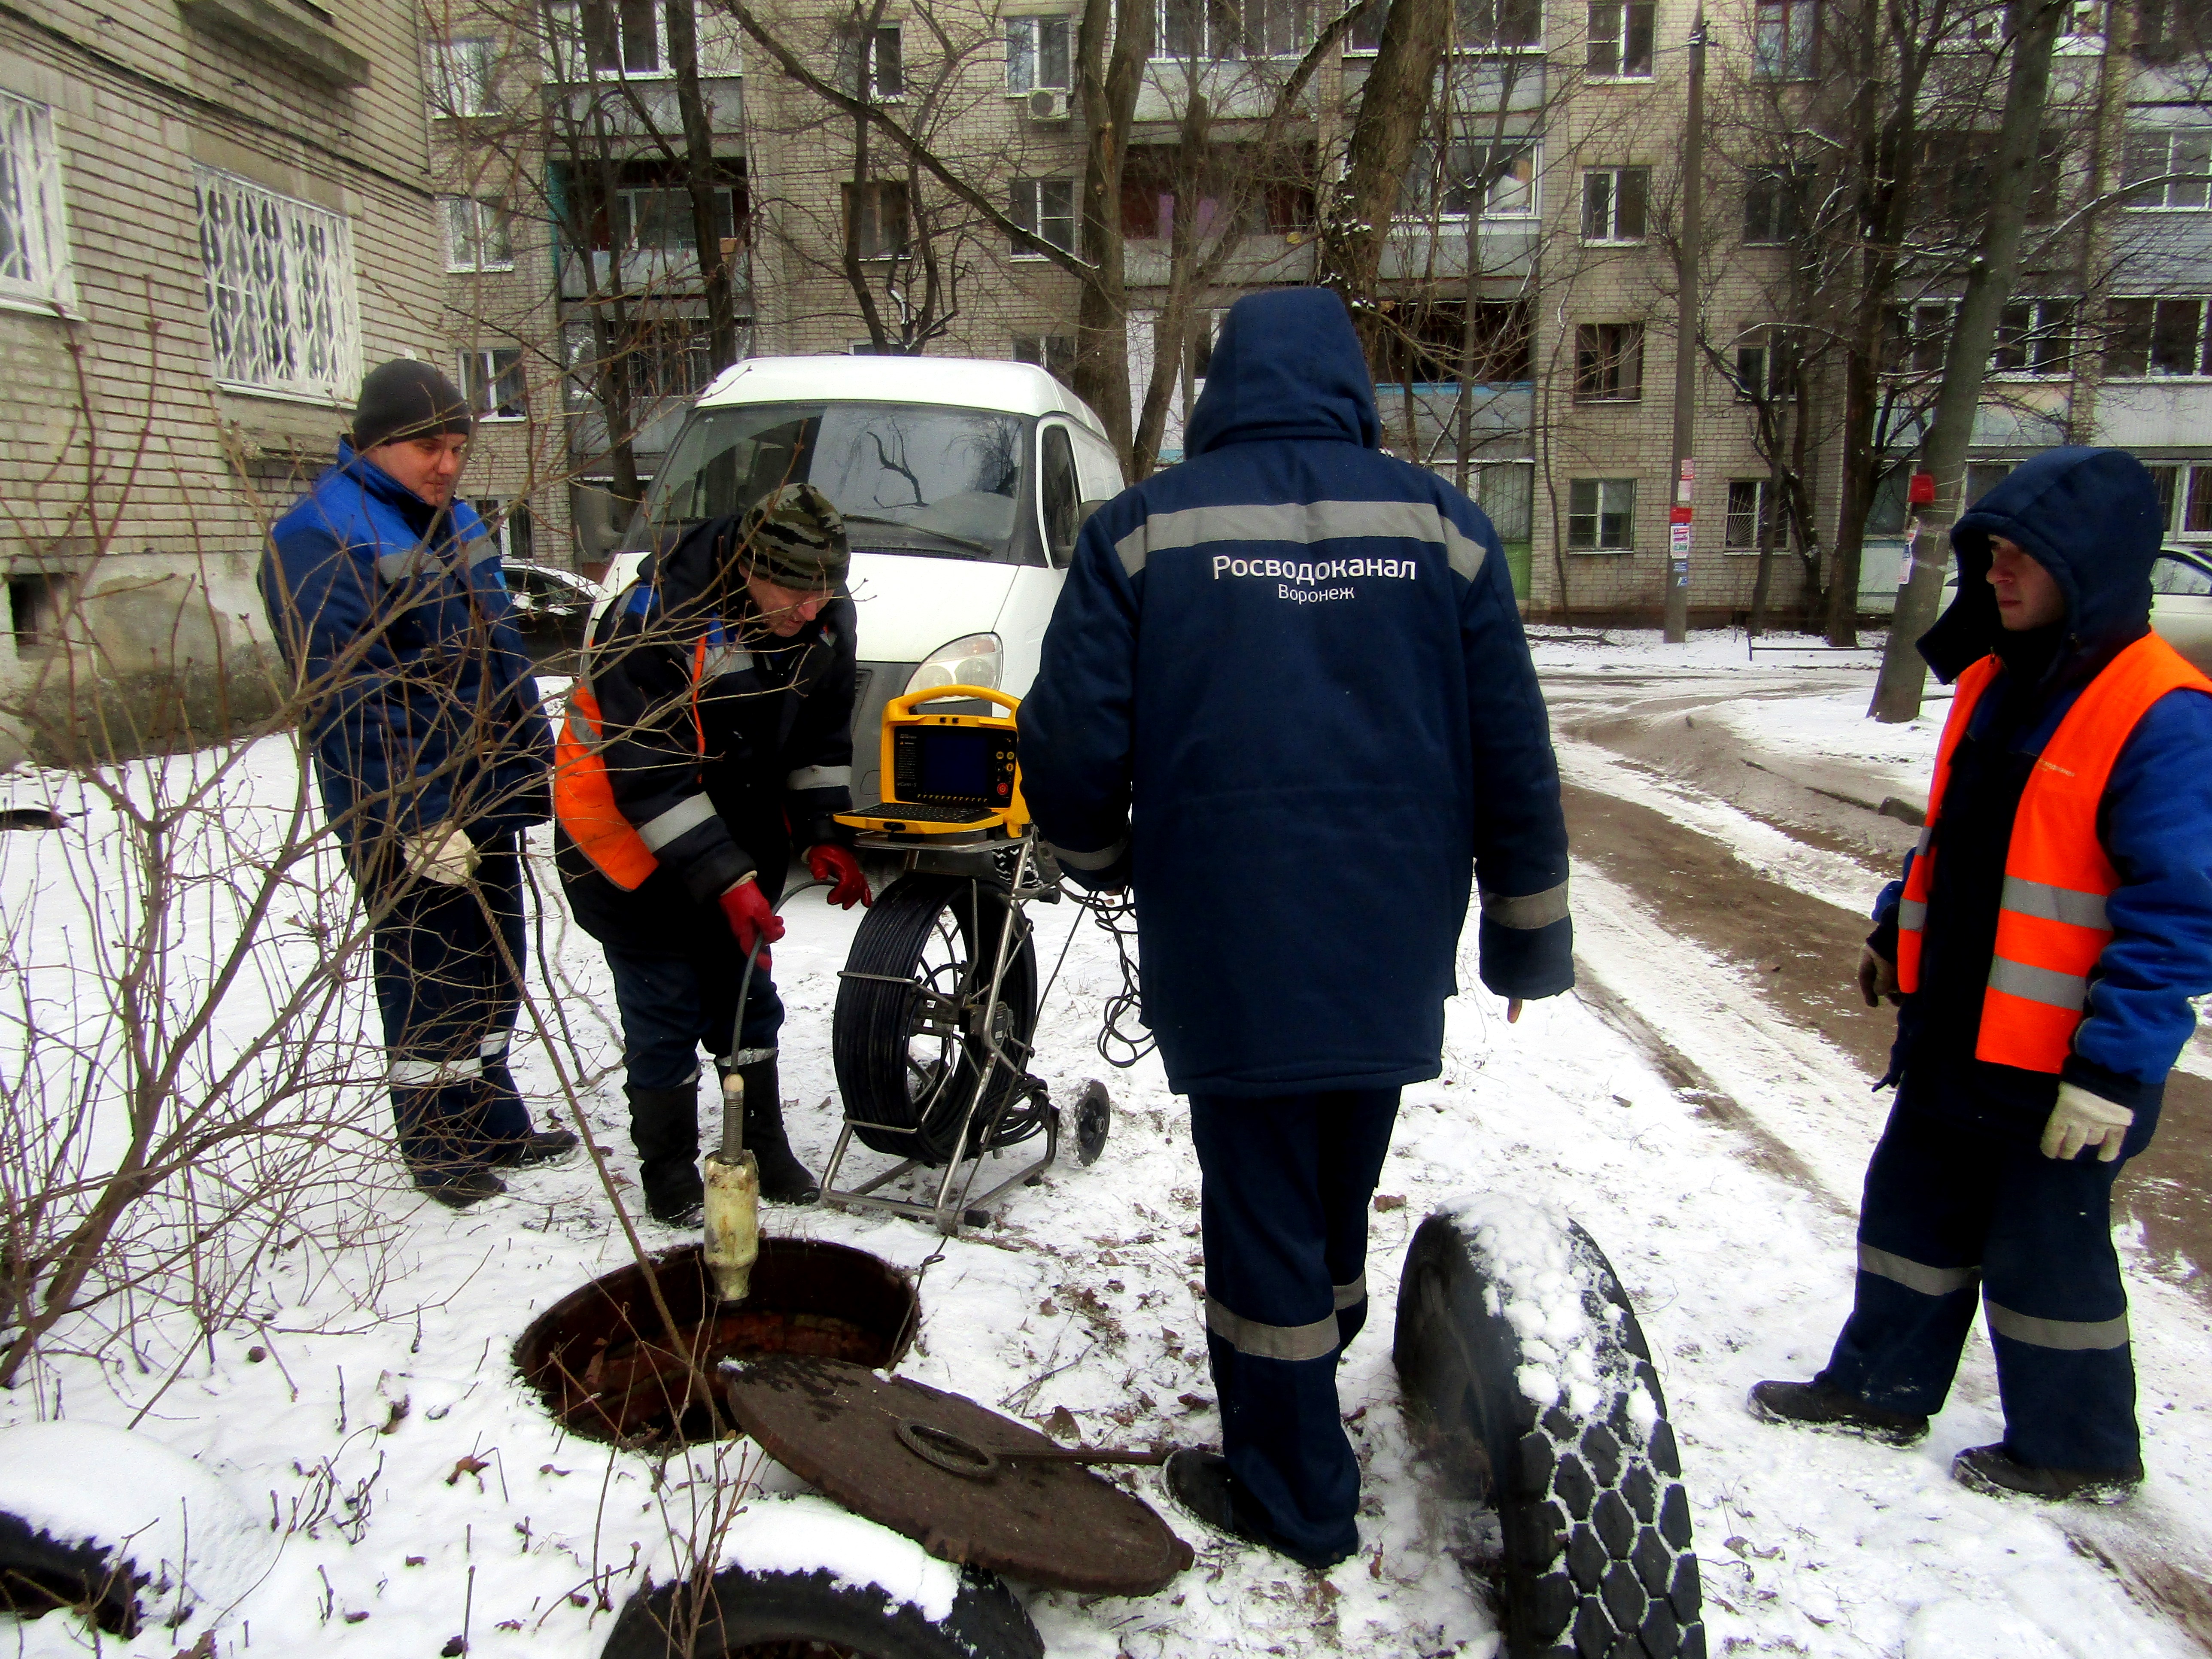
{"points": [[909, 478]]}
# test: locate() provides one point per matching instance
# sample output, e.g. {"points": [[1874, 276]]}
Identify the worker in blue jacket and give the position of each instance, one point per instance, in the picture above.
{"points": [[2044, 946], [1285, 700], [388, 601]]}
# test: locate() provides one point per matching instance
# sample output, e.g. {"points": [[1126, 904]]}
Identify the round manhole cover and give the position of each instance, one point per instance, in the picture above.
{"points": [[960, 1480]]}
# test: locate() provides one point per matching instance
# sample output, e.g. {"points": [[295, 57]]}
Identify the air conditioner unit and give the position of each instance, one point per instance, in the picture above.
{"points": [[1048, 104]]}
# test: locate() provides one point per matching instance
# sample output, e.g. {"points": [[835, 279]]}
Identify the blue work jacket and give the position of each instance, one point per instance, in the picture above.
{"points": [[419, 700], [1285, 694]]}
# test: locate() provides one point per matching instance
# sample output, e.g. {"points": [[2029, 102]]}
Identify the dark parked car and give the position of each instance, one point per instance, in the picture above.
{"points": [[552, 606]]}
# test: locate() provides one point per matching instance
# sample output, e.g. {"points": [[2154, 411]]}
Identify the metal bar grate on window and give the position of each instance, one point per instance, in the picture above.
{"points": [[34, 241], [282, 314]]}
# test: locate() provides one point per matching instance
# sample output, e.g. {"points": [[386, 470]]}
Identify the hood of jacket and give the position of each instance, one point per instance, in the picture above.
{"points": [[1287, 365], [2090, 516]]}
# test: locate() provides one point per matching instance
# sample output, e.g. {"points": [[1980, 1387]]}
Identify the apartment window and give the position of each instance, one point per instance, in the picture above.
{"points": [[1234, 29], [1982, 477], [1619, 40], [2034, 337], [1502, 177], [1784, 34], [2191, 487], [34, 238], [2168, 30], [2196, 511], [1052, 353], [2155, 337], [1765, 365], [1957, 169], [1498, 25], [1916, 337], [507, 525], [871, 65], [623, 37], [1150, 178], [1601, 515], [875, 218], [493, 380], [282, 311], [464, 76], [477, 236], [1366, 33], [1747, 506], [1608, 362], [2168, 170], [1038, 53], [1046, 209], [1613, 202], [1770, 205]]}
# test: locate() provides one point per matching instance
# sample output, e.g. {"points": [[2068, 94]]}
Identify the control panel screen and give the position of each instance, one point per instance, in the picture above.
{"points": [[956, 765]]}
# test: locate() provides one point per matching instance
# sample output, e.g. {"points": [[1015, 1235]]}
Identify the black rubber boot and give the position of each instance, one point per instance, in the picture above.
{"points": [[1819, 1406], [1994, 1470], [664, 1127], [783, 1178]]}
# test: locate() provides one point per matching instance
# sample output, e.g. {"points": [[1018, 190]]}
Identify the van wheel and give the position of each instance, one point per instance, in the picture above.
{"points": [[1529, 1381]]}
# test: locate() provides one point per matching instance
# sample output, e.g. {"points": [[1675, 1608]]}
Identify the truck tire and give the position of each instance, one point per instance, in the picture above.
{"points": [[1528, 1381], [817, 1612]]}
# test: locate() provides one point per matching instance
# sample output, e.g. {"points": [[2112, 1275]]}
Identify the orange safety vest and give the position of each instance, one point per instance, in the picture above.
{"points": [[584, 794], [2051, 925]]}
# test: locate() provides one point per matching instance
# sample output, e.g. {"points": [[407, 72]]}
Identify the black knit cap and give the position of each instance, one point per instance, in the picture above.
{"points": [[407, 399]]}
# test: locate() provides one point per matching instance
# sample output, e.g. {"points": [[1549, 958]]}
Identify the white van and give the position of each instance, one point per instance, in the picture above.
{"points": [[963, 482]]}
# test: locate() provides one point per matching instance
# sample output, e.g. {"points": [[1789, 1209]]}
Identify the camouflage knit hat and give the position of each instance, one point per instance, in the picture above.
{"points": [[794, 536]]}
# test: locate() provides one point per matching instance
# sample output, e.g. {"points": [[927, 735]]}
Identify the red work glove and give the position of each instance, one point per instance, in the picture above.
{"points": [[831, 862], [746, 909]]}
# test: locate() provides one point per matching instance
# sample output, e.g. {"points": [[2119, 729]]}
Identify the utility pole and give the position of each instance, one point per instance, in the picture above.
{"points": [[1679, 514]]}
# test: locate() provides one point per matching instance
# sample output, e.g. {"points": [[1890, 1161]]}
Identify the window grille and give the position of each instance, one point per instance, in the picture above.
{"points": [[33, 237], [281, 312], [1037, 52], [1747, 508], [1046, 209]]}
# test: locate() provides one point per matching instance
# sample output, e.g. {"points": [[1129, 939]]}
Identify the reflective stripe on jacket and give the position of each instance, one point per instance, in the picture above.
{"points": [[583, 793], [2052, 922]]}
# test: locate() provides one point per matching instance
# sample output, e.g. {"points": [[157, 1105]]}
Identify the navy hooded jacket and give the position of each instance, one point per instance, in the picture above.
{"points": [[2090, 518], [1285, 693], [394, 614]]}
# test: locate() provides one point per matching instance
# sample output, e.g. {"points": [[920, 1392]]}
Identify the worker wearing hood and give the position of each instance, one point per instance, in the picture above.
{"points": [[2051, 929], [1286, 699]]}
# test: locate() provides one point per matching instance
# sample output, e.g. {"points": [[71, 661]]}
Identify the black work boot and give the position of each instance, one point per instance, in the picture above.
{"points": [[783, 1178], [1994, 1470], [1201, 1483], [664, 1127], [1819, 1404]]}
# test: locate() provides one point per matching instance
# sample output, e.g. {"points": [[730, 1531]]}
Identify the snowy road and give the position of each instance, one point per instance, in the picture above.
{"points": [[1693, 1116]]}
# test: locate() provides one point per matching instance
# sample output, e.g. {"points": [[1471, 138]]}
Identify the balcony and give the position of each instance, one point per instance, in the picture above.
{"points": [[643, 109], [658, 273]]}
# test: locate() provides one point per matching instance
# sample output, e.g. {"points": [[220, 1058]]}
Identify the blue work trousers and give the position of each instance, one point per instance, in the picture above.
{"points": [[1952, 1213], [675, 1004], [449, 998], [1287, 1180]]}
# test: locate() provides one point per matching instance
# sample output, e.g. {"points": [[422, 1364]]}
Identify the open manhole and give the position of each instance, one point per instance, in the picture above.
{"points": [[602, 1361]]}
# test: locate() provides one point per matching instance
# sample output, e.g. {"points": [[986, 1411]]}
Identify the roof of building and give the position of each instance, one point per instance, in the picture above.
{"points": [[962, 382]]}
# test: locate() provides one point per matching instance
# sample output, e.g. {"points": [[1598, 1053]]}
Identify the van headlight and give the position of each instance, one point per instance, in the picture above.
{"points": [[975, 660]]}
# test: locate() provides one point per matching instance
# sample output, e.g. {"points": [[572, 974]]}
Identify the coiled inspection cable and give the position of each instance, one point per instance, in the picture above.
{"points": [[1115, 915]]}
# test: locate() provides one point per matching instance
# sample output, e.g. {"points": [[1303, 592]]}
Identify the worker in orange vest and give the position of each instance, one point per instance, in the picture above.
{"points": [[708, 737], [2052, 927]]}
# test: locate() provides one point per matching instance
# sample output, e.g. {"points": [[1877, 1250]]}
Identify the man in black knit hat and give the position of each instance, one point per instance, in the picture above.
{"points": [[388, 602], [707, 737]]}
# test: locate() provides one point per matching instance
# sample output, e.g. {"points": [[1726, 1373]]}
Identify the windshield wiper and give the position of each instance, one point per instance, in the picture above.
{"points": [[985, 548]]}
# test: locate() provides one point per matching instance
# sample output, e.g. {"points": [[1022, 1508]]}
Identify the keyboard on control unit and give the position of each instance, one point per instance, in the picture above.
{"points": [[923, 811]]}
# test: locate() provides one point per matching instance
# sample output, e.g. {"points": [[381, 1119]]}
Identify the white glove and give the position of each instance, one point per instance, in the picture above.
{"points": [[2081, 1119], [441, 854]]}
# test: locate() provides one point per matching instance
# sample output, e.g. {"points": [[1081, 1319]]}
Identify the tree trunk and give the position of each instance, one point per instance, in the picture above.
{"points": [[1107, 82], [1966, 358], [2114, 74], [700, 178], [1393, 104]]}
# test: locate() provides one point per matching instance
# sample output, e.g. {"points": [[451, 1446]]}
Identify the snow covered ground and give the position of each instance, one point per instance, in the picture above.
{"points": [[449, 1502]]}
